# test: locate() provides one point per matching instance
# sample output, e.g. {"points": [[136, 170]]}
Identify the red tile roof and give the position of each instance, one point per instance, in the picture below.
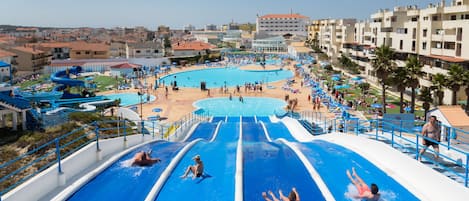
{"points": [[126, 65], [80, 46], [4, 53], [447, 58], [192, 45], [283, 16], [28, 49]]}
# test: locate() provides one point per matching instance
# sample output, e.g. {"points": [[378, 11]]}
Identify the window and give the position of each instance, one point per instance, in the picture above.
{"points": [[413, 45], [78, 52], [425, 33], [424, 45], [156, 51], [435, 18], [87, 52], [137, 51], [401, 43], [414, 19], [425, 18], [453, 17]]}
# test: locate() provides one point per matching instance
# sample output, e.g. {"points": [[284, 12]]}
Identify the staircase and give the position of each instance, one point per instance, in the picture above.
{"points": [[311, 128], [14, 103]]}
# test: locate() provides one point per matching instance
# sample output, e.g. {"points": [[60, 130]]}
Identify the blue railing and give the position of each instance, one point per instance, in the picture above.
{"points": [[29, 164], [410, 141]]}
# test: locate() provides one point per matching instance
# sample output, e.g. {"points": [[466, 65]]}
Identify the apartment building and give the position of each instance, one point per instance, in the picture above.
{"points": [[191, 48], [59, 50], [332, 34], [437, 34], [31, 59], [148, 49], [281, 24], [313, 32], [84, 50]]}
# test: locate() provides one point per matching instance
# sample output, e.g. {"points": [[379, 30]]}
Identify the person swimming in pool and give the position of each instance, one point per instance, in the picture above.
{"points": [[197, 169], [364, 192], [143, 159]]}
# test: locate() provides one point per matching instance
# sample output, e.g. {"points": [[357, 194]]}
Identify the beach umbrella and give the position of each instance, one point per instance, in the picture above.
{"points": [[156, 109], [153, 118], [357, 78], [376, 105], [335, 78], [407, 109]]}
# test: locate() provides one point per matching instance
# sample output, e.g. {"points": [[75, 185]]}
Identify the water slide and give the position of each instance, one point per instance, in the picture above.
{"points": [[331, 162], [121, 181], [218, 181], [85, 107], [273, 166], [279, 130], [204, 130], [61, 77]]}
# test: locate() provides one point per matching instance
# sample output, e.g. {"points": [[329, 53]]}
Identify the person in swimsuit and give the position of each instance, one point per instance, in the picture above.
{"points": [[197, 169], [143, 159], [431, 133], [364, 191], [293, 196]]}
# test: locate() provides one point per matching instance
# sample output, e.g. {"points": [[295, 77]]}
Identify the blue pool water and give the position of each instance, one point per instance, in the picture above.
{"points": [[216, 77], [129, 98], [251, 106]]}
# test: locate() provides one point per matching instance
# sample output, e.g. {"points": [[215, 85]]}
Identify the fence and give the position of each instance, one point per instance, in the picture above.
{"points": [[34, 161], [456, 159]]}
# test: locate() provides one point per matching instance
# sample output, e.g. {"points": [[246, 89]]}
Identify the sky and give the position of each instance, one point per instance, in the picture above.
{"points": [[177, 13]]}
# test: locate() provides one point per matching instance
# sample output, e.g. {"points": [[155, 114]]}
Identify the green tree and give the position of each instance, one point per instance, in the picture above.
{"points": [[398, 79], [455, 80], [426, 97], [414, 72], [438, 84], [466, 81], [383, 66]]}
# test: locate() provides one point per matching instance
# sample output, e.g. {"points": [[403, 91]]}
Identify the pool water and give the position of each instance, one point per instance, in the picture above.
{"points": [[250, 106], [128, 99], [230, 76]]}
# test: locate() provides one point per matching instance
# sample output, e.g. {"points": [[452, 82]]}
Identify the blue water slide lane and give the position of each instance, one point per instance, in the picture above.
{"points": [[253, 132], [264, 119], [248, 119], [217, 119], [233, 119], [61, 77], [120, 181], [279, 130], [203, 131], [331, 162], [268, 166], [218, 182]]}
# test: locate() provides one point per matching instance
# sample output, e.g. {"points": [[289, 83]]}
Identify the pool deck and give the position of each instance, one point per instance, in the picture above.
{"points": [[179, 103]]}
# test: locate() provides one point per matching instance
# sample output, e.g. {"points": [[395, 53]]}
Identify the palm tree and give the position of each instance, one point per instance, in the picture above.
{"points": [[466, 81], [398, 79], [439, 82], [455, 80], [414, 70], [383, 66], [426, 97]]}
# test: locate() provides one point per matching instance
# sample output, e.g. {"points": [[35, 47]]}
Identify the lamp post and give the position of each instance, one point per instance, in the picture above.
{"points": [[140, 93]]}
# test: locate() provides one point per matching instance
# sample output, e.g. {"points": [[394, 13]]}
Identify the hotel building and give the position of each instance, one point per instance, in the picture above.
{"points": [[438, 35], [281, 24]]}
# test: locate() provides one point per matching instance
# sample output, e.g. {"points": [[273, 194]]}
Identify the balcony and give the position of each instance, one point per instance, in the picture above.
{"points": [[456, 9], [444, 52], [444, 37]]}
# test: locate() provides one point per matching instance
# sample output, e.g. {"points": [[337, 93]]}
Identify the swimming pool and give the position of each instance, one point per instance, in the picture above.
{"points": [[129, 98], [250, 106], [218, 77]]}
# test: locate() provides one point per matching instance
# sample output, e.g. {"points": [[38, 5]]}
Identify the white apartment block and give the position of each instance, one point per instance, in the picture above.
{"points": [[437, 34], [147, 49], [281, 24], [333, 33]]}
